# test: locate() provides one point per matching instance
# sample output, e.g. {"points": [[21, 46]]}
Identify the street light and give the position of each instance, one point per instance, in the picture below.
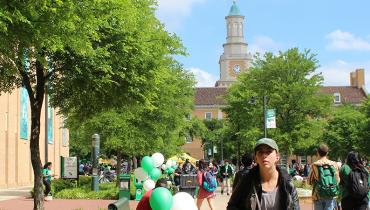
{"points": [[264, 98]]}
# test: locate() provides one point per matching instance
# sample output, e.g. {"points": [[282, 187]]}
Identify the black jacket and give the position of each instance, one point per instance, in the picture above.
{"points": [[243, 197]]}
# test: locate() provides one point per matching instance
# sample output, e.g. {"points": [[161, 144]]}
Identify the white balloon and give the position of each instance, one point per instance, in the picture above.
{"points": [[149, 184], [158, 159], [174, 163], [140, 174], [169, 163], [164, 167], [183, 201]]}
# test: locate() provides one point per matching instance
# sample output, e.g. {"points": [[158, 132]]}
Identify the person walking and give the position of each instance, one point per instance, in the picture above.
{"points": [[227, 172], [354, 181], [206, 176], [247, 161], [266, 186], [47, 177], [324, 176], [144, 203]]}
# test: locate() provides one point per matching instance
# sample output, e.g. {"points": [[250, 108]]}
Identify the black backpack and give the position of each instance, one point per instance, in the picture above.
{"points": [[358, 183]]}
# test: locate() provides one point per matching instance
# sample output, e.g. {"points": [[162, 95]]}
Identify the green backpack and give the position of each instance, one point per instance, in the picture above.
{"points": [[327, 186]]}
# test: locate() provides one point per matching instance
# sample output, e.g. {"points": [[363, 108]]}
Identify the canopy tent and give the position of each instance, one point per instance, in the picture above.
{"points": [[180, 158]]}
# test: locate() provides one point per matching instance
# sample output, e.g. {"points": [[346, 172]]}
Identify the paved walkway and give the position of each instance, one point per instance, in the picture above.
{"points": [[18, 199]]}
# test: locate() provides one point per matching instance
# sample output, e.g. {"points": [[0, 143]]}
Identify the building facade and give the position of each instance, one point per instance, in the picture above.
{"points": [[235, 59], [15, 128]]}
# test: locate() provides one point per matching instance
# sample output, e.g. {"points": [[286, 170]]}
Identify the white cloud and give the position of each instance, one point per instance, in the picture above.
{"points": [[337, 73], [173, 12], [203, 78], [342, 40], [262, 44]]}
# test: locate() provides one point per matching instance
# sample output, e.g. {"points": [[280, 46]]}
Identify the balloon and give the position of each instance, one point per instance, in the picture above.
{"points": [[158, 159], [167, 171], [183, 201], [171, 170], [149, 184], [169, 163], [155, 174], [161, 199], [174, 163], [147, 164], [140, 174], [164, 167]]}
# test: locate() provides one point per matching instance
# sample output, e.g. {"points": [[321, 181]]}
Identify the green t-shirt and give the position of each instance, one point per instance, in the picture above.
{"points": [[345, 170], [47, 174]]}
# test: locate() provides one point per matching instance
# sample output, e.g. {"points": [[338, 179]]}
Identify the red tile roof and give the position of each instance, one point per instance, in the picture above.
{"points": [[348, 94], [213, 95], [209, 96]]}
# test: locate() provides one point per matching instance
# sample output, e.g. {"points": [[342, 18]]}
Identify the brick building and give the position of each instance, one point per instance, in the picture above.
{"points": [[15, 127], [236, 59]]}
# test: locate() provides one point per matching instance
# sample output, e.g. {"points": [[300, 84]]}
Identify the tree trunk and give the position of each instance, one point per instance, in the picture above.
{"points": [[35, 156]]}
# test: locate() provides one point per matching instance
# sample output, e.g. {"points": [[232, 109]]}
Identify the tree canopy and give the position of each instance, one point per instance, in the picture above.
{"points": [[291, 86], [93, 55]]}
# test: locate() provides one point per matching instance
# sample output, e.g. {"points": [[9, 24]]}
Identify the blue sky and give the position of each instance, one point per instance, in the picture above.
{"points": [[337, 31]]}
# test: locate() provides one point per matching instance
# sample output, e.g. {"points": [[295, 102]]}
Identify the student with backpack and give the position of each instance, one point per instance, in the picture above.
{"points": [[324, 176], [354, 183], [207, 182]]}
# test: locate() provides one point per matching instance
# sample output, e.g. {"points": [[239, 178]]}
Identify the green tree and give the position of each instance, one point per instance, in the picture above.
{"points": [[344, 132], [291, 86], [139, 130], [92, 55]]}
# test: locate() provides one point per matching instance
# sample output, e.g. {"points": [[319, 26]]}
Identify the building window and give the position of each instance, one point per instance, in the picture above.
{"points": [[208, 115], [337, 98]]}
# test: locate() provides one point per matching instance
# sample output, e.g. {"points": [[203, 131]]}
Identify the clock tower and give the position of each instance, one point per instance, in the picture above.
{"points": [[235, 58]]}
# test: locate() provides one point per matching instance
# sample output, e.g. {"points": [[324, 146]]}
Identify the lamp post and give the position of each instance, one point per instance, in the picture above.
{"points": [[95, 161], [264, 99]]}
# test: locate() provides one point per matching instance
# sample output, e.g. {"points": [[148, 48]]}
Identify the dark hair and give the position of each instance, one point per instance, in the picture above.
{"points": [[47, 165], [247, 160], [162, 182], [203, 164], [354, 160], [323, 150]]}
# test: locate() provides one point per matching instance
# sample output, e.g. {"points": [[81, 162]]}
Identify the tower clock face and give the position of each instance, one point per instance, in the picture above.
{"points": [[236, 68]]}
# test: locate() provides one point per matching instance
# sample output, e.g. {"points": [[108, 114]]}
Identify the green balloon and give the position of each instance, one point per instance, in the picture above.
{"points": [[155, 174], [161, 199], [171, 170], [167, 171], [147, 164]]}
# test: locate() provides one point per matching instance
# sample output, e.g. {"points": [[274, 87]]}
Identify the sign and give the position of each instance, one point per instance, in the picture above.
{"points": [[69, 168], [270, 118], [24, 114]]}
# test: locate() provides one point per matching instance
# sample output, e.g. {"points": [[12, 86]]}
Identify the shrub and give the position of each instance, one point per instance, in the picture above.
{"points": [[107, 191]]}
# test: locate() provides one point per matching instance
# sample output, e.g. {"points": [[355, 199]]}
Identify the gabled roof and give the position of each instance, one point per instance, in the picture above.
{"points": [[348, 94], [213, 95]]}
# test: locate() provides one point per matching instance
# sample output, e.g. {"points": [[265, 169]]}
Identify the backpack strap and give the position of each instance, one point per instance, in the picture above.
{"points": [[257, 198]]}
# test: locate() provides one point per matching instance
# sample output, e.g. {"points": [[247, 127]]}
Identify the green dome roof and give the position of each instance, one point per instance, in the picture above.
{"points": [[234, 10]]}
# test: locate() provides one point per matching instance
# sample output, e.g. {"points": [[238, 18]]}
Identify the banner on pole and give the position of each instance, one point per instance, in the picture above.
{"points": [[270, 118]]}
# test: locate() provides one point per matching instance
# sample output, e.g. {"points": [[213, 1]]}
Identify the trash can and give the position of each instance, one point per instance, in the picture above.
{"points": [[188, 183], [139, 190], [124, 186]]}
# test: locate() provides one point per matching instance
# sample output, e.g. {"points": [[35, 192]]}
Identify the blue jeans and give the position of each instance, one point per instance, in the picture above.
{"points": [[325, 204]]}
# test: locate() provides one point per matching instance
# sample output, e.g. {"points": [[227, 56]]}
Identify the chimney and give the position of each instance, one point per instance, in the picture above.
{"points": [[358, 78]]}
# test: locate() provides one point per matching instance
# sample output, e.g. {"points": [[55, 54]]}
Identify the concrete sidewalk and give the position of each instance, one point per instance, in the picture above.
{"points": [[12, 193], [18, 199]]}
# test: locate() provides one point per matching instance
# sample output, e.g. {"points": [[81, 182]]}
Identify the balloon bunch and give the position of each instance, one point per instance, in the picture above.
{"points": [[161, 198]]}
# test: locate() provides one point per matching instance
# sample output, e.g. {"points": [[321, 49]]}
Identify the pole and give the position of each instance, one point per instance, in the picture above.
{"points": [[95, 161], [264, 115], [222, 149]]}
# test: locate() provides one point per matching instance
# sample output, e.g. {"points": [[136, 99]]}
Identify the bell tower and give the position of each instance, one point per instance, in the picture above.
{"points": [[235, 58]]}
